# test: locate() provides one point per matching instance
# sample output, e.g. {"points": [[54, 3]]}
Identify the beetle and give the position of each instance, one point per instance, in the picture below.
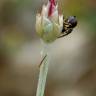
{"points": [[68, 25]]}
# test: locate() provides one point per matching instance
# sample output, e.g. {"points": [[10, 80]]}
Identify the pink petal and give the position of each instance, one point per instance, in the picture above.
{"points": [[51, 7], [53, 2]]}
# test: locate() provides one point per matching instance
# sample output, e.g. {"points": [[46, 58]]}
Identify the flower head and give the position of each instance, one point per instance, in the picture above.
{"points": [[49, 22]]}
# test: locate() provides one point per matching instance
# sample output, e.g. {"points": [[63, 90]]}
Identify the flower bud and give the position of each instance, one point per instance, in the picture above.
{"points": [[49, 23]]}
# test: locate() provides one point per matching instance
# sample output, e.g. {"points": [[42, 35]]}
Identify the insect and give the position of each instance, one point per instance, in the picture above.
{"points": [[68, 25]]}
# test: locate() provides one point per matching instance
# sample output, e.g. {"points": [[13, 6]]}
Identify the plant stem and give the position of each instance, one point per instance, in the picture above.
{"points": [[43, 73]]}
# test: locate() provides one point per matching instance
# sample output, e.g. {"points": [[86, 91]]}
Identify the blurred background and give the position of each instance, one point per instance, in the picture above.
{"points": [[72, 69]]}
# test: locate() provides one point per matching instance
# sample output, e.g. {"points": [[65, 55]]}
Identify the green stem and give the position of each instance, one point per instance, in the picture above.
{"points": [[43, 74]]}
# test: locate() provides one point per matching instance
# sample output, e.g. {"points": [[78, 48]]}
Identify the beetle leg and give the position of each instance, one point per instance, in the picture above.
{"points": [[66, 33], [62, 35]]}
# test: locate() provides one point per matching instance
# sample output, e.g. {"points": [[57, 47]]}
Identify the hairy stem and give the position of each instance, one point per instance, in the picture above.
{"points": [[43, 74]]}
